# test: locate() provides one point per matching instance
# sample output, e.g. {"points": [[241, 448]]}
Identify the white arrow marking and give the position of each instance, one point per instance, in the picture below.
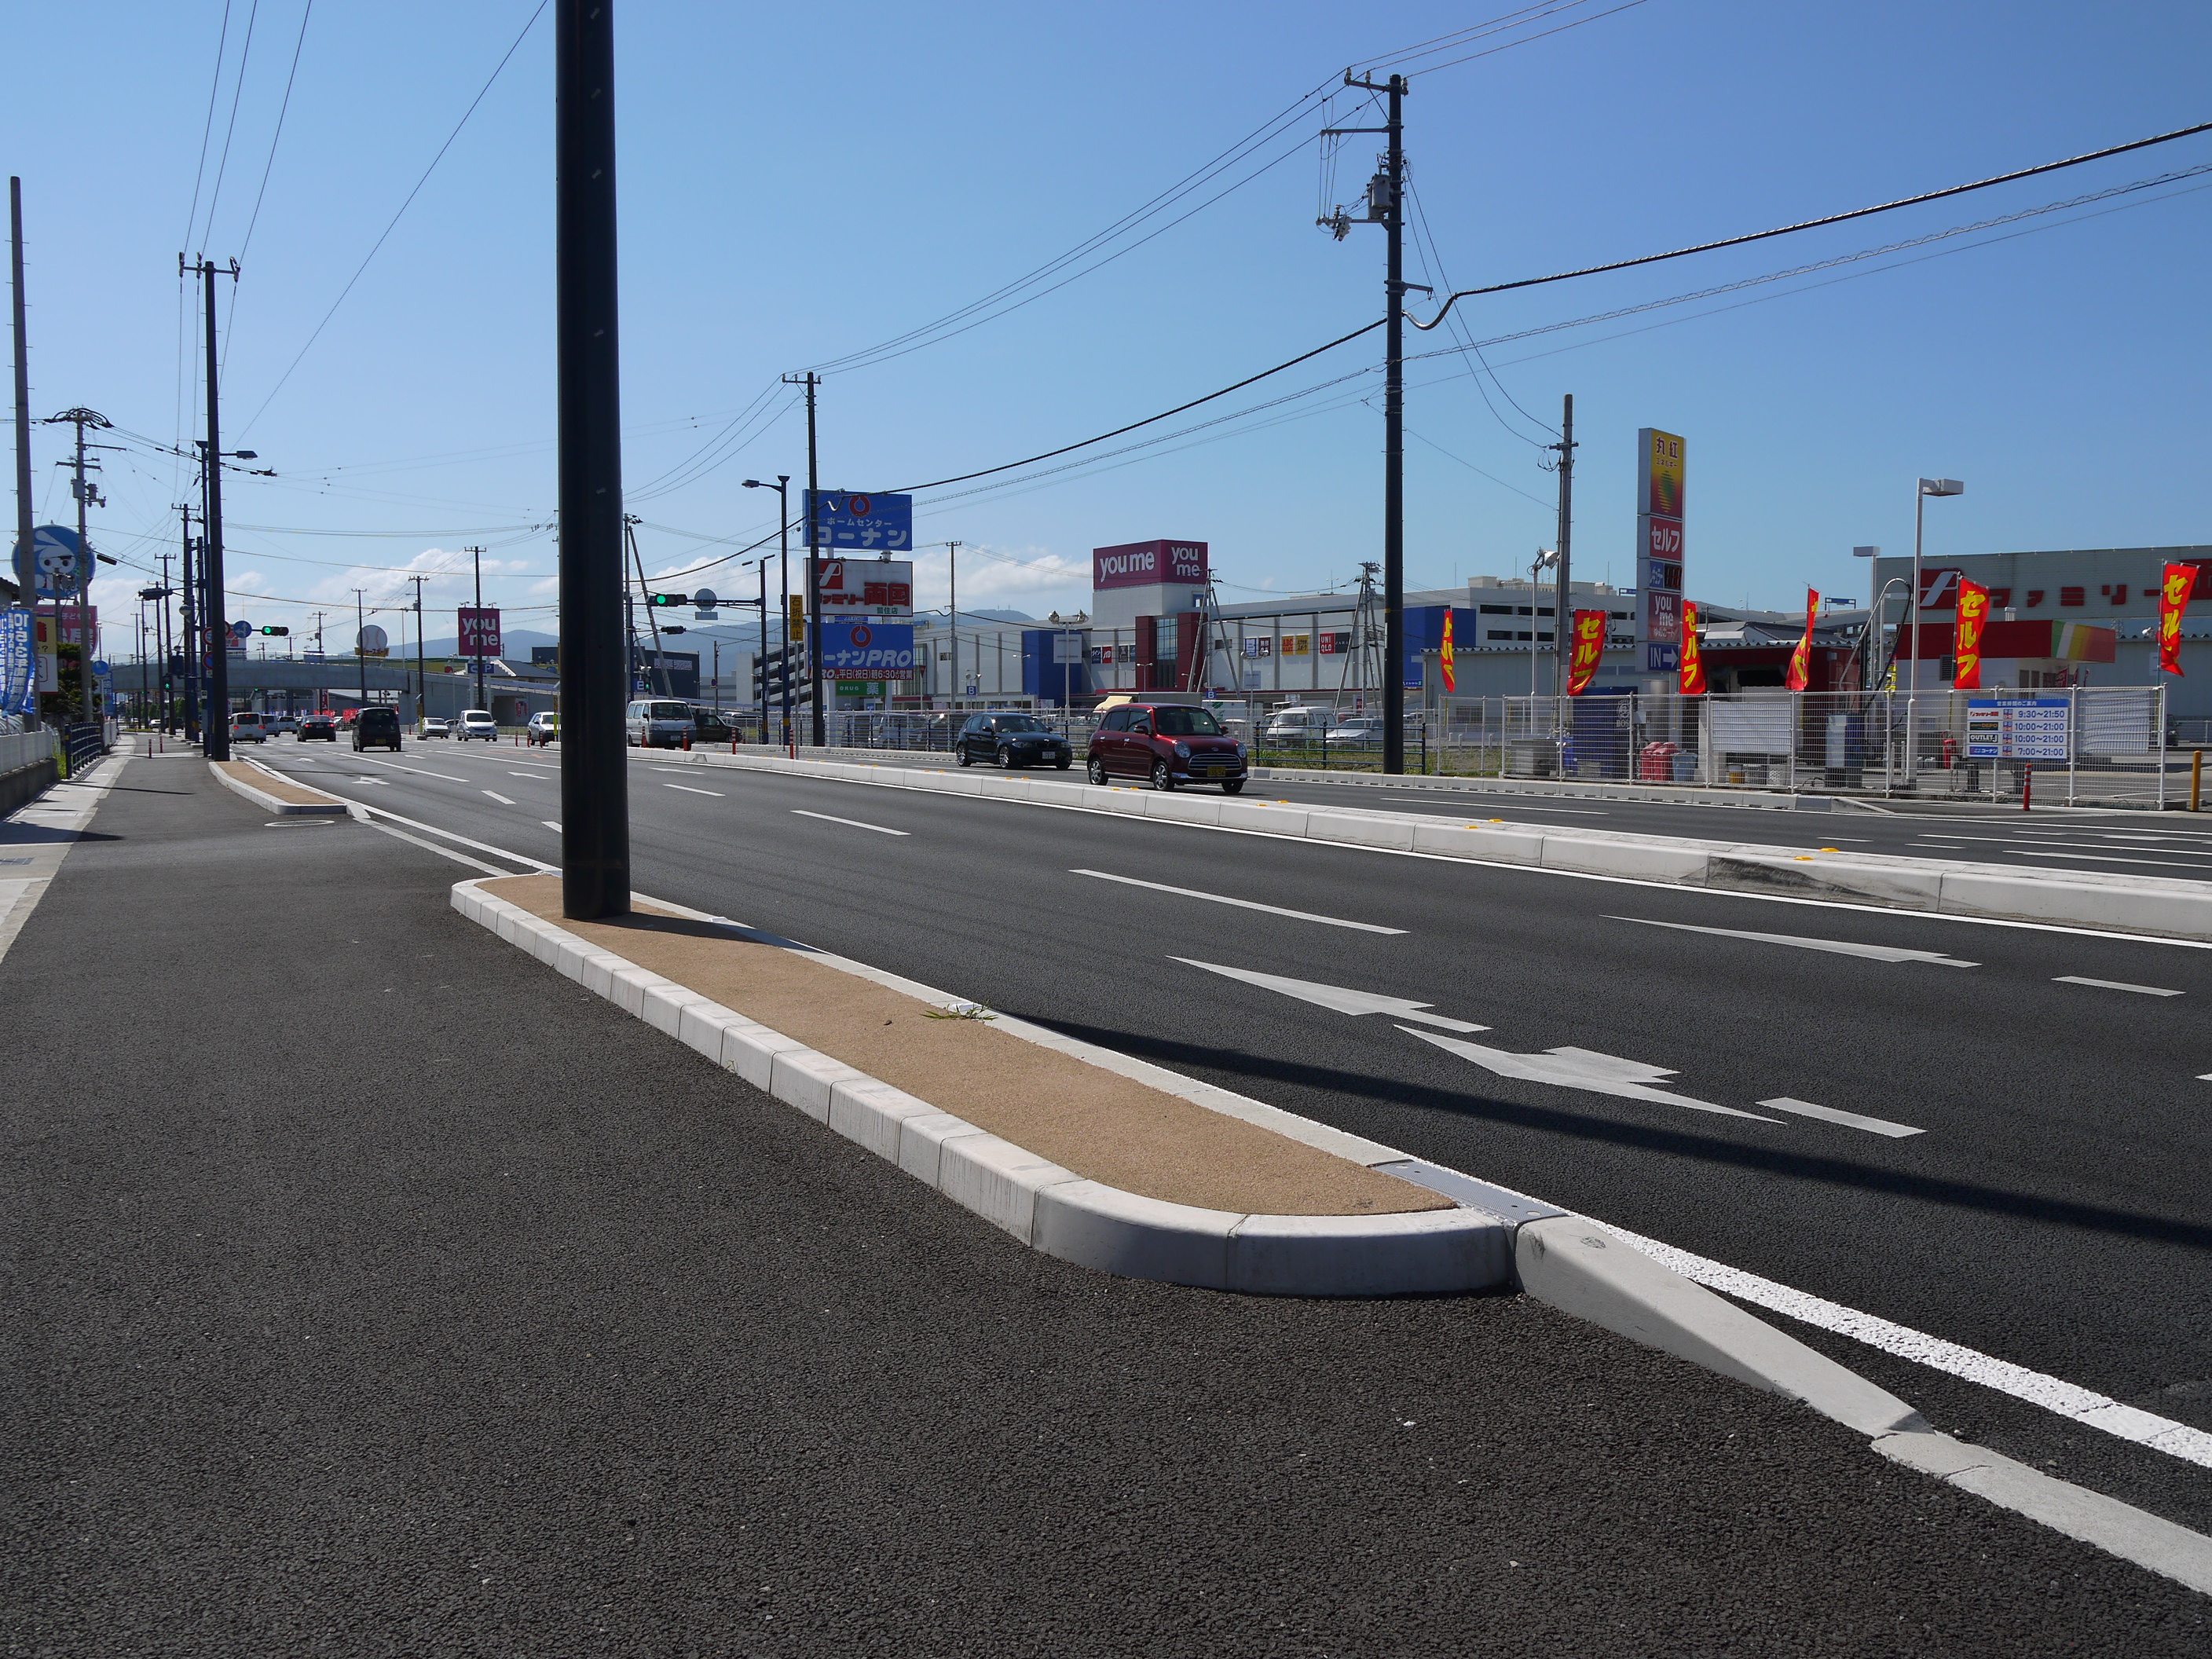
{"points": [[1880, 1126], [1840, 947], [1581, 1068], [1341, 999]]}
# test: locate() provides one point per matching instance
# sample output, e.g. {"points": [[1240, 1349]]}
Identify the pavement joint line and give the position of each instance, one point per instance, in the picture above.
{"points": [[1767, 858], [1565, 1259]]}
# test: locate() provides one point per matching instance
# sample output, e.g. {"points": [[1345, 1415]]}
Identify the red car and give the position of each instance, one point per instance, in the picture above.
{"points": [[1169, 743]]}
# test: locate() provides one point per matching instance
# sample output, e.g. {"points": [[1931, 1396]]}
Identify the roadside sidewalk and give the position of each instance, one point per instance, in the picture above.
{"points": [[388, 1290]]}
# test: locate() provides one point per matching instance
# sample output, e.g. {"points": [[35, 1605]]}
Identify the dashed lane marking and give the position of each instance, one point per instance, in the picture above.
{"points": [[826, 818], [2115, 985], [1878, 1126], [1241, 904]]}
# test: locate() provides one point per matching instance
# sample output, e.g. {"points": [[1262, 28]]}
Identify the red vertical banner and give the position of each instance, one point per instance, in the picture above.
{"points": [[2173, 589], [1800, 660], [1588, 649], [1444, 656], [1694, 665], [1967, 643]]}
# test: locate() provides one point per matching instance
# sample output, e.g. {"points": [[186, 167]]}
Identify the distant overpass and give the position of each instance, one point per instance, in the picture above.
{"points": [[293, 686]]}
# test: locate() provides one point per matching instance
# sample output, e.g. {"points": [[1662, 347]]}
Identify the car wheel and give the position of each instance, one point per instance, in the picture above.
{"points": [[1062, 764], [1006, 760], [1162, 779], [1233, 786], [1096, 771], [966, 759]]}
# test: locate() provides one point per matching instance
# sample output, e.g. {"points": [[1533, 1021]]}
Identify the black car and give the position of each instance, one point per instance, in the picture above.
{"points": [[1012, 740], [376, 727], [708, 726], [324, 727]]}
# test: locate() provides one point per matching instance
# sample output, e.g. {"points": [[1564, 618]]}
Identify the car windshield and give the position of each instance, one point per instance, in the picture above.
{"points": [[1186, 723], [667, 711], [1018, 723]]}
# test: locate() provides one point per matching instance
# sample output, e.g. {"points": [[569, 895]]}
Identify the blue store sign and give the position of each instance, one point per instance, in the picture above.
{"points": [[867, 650], [852, 518]]}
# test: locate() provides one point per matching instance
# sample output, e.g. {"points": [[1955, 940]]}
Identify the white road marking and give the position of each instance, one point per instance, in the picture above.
{"points": [[1880, 1126], [2104, 857], [2114, 985], [1342, 999], [2091, 1410], [1445, 801], [1581, 1068], [1241, 904], [501, 798], [417, 770], [550, 824], [826, 818], [512, 773], [717, 794], [1840, 947]]}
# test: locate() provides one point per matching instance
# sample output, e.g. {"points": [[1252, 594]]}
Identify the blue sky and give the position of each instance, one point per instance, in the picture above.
{"points": [[800, 184]]}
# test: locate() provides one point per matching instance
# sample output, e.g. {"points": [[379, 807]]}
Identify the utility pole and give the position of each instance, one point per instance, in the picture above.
{"points": [[188, 631], [1562, 606], [85, 496], [651, 622], [809, 380], [421, 664], [25, 576], [322, 668], [217, 728], [952, 612], [360, 645], [762, 658], [161, 643], [1385, 206]]}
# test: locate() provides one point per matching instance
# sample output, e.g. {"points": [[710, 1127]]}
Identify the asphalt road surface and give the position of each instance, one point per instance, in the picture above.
{"points": [[374, 1289], [1996, 1135]]}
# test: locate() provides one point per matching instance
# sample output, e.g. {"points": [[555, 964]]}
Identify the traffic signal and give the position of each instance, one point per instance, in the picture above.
{"points": [[278, 631], [664, 601]]}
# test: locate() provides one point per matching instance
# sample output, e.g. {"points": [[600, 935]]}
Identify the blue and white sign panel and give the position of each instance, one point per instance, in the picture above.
{"points": [[18, 675], [850, 518], [2017, 728], [57, 562], [864, 650]]}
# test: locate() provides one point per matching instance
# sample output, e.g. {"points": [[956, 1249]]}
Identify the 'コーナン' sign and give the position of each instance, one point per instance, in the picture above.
{"points": [[1140, 564]]}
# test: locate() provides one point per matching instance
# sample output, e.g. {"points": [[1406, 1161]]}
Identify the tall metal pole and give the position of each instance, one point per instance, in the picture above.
{"points": [[1912, 598], [763, 657], [360, 645], [952, 610], [594, 668], [422, 662], [218, 745], [814, 578], [189, 632], [476, 557], [24, 571], [1563, 644], [1393, 448], [783, 553], [84, 587]]}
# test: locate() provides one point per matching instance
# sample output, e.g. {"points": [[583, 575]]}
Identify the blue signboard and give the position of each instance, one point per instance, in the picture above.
{"points": [[2018, 728], [850, 518], [867, 650], [57, 562], [18, 682]]}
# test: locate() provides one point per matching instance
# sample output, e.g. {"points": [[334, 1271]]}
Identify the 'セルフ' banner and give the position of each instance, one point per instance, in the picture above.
{"points": [[1966, 644], [2173, 591], [1800, 660], [1589, 648], [1444, 656], [1694, 665]]}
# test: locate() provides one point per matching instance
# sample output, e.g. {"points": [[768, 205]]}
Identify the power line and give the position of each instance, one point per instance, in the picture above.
{"points": [[282, 109], [207, 128], [1814, 224], [237, 92], [1630, 5], [481, 93]]}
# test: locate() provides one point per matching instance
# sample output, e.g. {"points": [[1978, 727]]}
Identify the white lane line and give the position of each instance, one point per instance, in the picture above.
{"points": [[827, 818], [550, 824], [501, 798], [1446, 801], [417, 770], [2114, 985], [512, 773], [2105, 858], [1880, 1126], [717, 794], [1241, 904], [1341, 998], [1840, 947], [2089, 1409]]}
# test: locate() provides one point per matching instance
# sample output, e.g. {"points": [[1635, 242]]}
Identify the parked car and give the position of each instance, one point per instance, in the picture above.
{"points": [[708, 726], [436, 728], [376, 727], [655, 723], [315, 727], [1296, 725], [1169, 744], [1012, 740], [248, 725], [477, 723], [1358, 730], [544, 727]]}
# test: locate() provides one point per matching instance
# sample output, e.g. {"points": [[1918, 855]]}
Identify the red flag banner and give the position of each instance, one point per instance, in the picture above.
{"points": [[1445, 657], [1693, 665], [2173, 589], [1589, 648], [1966, 646], [1800, 660]]}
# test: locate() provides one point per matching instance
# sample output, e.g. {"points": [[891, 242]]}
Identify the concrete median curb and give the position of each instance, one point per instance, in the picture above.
{"points": [[295, 800], [1047, 1208], [2160, 906]]}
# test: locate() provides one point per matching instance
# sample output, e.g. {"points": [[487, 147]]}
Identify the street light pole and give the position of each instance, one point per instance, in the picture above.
{"points": [[1927, 487], [782, 487]]}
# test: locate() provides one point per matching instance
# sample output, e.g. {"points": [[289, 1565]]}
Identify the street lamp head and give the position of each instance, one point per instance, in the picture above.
{"points": [[1942, 487], [246, 454], [1866, 552], [754, 483]]}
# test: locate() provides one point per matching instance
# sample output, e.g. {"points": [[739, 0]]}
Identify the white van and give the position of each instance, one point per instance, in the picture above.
{"points": [[1298, 725], [657, 723]]}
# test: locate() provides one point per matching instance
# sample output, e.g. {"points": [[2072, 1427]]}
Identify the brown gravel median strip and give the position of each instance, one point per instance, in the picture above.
{"points": [[1103, 1127]]}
